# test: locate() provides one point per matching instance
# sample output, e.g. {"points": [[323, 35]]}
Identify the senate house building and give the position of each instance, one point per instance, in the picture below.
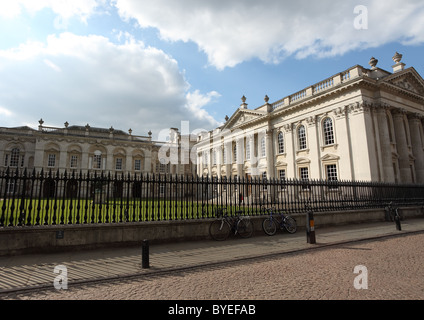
{"points": [[362, 124]]}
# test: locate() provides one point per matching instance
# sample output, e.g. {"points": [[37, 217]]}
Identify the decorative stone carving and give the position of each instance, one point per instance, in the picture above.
{"points": [[373, 63]]}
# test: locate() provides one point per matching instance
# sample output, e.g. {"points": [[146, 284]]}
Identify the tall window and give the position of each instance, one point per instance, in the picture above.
{"points": [[304, 173], [235, 153], [74, 161], [137, 165], [304, 176], [97, 161], [214, 158], [14, 157], [51, 161], [263, 147], [282, 174], [331, 172], [118, 164], [162, 165], [224, 156], [301, 135], [328, 131], [248, 149], [280, 142]]}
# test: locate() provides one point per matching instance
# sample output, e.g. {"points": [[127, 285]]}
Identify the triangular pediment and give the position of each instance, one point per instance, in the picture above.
{"points": [[330, 157], [242, 116], [408, 79]]}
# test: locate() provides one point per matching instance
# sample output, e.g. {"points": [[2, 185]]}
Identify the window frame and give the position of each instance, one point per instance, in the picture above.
{"points": [[302, 140], [329, 137]]}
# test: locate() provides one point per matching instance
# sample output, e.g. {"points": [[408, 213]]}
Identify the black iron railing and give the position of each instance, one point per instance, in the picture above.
{"points": [[49, 198]]}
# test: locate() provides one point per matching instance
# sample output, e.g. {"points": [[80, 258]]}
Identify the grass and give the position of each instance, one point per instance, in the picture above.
{"points": [[74, 211]]}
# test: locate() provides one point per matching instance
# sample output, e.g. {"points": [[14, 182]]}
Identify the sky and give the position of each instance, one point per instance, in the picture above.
{"points": [[153, 65]]}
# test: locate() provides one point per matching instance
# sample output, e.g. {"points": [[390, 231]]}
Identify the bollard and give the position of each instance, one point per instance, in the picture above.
{"points": [[397, 220], [145, 254], [310, 228]]}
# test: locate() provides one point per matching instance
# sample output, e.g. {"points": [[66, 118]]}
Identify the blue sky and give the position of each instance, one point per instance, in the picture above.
{"points": [[149, 65]]}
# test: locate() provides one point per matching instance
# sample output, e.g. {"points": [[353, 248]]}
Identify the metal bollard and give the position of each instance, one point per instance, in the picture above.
{"points": [[310, 228], [397, 220], [145, 255]]}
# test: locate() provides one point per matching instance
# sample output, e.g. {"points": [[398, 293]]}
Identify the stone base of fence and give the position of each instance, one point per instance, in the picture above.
{"points": [[59, 238]]}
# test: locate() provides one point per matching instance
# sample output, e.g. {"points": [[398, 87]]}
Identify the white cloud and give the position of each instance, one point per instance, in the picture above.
{"points": [[231, 32], [88, 79], [195, 103], [64, 9]]}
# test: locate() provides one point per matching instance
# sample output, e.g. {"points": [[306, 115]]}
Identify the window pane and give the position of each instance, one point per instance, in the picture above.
{"points": [[302, 137], [263, 147], [97, 161], [328, 131], [137, 165], [74, 161], [51, 160], [332, 172], [14, 158], [118, 164], [280, 143]]}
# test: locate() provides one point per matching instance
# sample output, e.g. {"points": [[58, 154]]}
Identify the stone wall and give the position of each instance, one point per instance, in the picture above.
{"points": [[21, 240]]}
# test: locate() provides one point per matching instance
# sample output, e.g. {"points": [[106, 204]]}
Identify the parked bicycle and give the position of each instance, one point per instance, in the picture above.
{"points": [[274, 221], [393, 215], [221, 228]]}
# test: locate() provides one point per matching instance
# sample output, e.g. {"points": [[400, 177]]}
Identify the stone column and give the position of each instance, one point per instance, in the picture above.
{"points": [[270, 157], [402, 146], [385, 145], [417, 145]]}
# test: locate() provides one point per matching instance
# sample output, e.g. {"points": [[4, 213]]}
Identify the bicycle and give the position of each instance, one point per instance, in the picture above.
{"points": [[270, 224], [393, 215], [224, 224]]}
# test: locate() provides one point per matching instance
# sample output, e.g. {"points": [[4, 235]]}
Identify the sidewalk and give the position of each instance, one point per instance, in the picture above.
{"points": [[37, 270]]}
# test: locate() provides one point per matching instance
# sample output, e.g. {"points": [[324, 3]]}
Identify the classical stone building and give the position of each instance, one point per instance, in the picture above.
{"points": [[87, 149], [360, 124]]}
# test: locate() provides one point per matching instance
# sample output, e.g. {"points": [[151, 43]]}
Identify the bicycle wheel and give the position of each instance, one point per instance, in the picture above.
{"points": [[290, 224], [219, 230], [269, 226], [245, 228]]}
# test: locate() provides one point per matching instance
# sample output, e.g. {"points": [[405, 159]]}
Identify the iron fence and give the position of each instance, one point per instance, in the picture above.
{"points": [[49, 198]]}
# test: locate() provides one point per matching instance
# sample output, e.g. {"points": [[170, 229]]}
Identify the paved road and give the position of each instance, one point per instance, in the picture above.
{"points": [[394, 271]]}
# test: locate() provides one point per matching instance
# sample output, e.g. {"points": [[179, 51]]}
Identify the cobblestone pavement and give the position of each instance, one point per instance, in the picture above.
{"points": [[394, 271]]}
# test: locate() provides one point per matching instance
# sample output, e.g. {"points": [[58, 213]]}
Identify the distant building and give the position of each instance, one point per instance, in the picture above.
{"points": [[87, 149], [360, 124]]}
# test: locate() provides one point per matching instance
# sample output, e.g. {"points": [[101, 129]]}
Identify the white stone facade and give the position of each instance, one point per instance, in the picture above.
{"points": [[361, 124]]}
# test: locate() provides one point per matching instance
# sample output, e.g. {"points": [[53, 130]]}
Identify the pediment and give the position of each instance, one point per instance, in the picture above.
{"points": [[330, 157], [303, 161], [242, 116], [408, 79]]}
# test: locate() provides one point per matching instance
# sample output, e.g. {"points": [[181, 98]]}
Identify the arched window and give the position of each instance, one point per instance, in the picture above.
{"points": [[280, 142], [301, 135], [328, 131]]}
